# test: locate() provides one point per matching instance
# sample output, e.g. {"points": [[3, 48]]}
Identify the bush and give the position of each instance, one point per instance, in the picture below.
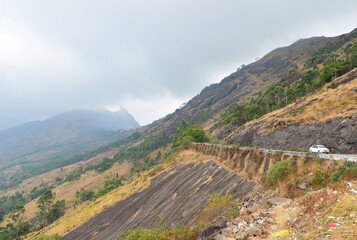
{"points": [[338, 175], [280, 170], [109, 186], [217, 205], [351, 170], [321, 179], [348, 170]]}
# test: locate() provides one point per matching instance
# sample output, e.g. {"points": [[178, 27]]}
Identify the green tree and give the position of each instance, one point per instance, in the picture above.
{"points": [[44, 204], [84, 195], [193, 133], [56, 210], [17, 217], [353, 57]]}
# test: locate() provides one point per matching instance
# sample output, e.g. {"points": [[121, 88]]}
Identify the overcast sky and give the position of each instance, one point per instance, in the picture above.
{"points": [[148, 56]]}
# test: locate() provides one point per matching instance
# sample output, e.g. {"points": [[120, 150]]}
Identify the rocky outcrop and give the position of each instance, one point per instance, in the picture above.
{"points": [[174, 198], [338, 134]]}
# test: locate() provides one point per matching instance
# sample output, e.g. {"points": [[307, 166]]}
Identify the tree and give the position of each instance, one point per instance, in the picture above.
{"points": [[84, 195], [193, 133], [56, 211], [17, 217], [353, 57], [44, 204]]}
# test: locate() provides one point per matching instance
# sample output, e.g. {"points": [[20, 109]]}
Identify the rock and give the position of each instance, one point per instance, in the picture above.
{"points": [[249, 210], [284, 135], [227, 232], [212, 230], [255, 232], [303, 185], [278, 201], [236, 221], [218, 237], [231, 225]]}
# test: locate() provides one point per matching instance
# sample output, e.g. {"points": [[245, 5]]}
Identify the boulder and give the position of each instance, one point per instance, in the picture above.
{"points": [[278, 201]]}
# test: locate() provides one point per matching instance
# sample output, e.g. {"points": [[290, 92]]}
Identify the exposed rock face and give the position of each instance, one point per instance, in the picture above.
{"points": [[175, 198], [338, 134]]}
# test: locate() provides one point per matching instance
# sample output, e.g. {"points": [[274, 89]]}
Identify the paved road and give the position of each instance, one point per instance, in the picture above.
{"points": [[337, 157]]}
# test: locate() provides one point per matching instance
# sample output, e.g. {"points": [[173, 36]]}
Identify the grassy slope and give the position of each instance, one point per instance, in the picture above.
{"points": [[48, 178], [67, 191], [320, 106]]}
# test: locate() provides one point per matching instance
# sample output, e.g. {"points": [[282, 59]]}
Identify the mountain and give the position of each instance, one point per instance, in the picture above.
{"points": [[67, 134], [294, 96], [285, 68]]}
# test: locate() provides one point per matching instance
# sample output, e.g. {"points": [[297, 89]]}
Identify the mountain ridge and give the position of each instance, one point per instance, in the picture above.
{"points": [[67, 134]]}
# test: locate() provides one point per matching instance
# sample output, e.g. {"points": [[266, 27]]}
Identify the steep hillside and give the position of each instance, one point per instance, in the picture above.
{"points": [[288, 63], [327, 117], [58, 138]]}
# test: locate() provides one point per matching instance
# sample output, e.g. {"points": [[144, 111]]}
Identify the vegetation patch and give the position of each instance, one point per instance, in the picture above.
{"points": [[186, 134], [279, 170], [47, 237], [321, 179], [346, 171], [185, 233], [217, 205]]}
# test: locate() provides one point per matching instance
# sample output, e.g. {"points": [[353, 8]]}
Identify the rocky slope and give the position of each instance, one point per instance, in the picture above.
{"points": [[328, 117], [248, 80], [174, 199]]}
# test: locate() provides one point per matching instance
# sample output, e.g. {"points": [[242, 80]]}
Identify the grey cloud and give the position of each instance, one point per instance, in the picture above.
{"points": [[62, 55]]}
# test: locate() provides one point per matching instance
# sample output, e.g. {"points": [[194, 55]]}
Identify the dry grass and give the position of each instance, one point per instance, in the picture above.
{"points": [[321, 106]]}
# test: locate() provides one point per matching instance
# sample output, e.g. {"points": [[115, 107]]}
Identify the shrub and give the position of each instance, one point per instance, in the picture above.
{"points": [[351, 170], [216, 206], [338, 175], [321, 179], [348, 170], [109, 186], [280, 170]]}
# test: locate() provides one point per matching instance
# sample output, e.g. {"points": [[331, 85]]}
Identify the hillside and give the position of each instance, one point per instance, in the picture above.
{"points": [[327, 117], [290, 98], [288, 63], [58, 138]]}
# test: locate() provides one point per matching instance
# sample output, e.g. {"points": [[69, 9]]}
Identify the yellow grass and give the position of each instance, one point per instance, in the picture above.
{"points": [[83, 212]]}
